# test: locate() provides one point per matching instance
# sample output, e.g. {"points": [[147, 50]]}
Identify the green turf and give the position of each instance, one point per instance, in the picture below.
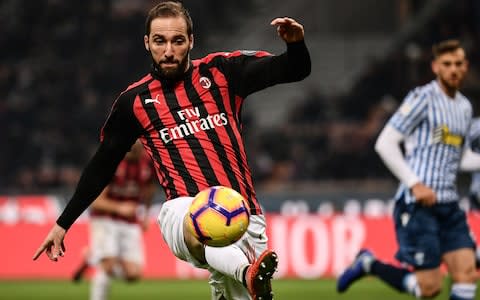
{"points": [[188, 290]]}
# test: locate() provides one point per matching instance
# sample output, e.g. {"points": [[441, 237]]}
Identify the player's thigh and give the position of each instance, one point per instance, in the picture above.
{"points": [[131, 243], [455, 232], [103, 238], [171, 223], [461, 265], [256, 235], [417, 232]]}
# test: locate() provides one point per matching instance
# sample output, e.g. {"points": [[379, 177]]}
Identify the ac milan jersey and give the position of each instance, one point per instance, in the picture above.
{"points": [[129, 182], [191, 127]]}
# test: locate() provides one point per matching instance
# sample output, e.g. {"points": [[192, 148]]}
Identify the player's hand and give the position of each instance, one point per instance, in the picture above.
{"points": [[423, 194], [127, 209], [288, 29], [53, 244]]}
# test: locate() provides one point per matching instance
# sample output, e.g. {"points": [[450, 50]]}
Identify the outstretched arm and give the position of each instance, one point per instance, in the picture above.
{"points": [[119, 133], [94, 178]]}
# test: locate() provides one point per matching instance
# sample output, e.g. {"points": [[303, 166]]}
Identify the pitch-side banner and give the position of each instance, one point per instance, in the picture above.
{"points": [[309, 246]]}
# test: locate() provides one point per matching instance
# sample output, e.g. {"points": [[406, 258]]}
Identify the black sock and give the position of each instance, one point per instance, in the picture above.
{"points": [[391, 275], [244, 281]]}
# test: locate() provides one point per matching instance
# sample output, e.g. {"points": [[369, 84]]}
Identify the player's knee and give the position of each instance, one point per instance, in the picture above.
{"points": [[108, 267], [431, 292], [431, 288]]}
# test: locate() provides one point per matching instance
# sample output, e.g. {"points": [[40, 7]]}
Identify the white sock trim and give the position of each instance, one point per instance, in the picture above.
{"points": [[411, 285], [464, 290], [230, 260]]}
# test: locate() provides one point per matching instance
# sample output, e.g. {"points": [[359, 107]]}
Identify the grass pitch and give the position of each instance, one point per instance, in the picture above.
{"points": [[196, 289]]}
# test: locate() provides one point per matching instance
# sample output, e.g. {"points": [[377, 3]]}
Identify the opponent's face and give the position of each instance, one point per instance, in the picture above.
{"points": [[169, 45], [451, 68]]}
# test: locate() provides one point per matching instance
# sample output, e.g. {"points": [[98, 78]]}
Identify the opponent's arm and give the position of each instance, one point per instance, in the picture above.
{"points": [[388, 148]]}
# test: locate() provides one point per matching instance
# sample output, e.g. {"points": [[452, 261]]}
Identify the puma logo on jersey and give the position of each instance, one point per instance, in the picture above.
{"points": [[149, 100]]}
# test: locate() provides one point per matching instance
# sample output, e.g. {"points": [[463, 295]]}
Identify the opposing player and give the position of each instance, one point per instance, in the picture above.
{"points": [[433, 121], [116, 248], [188, 116]]}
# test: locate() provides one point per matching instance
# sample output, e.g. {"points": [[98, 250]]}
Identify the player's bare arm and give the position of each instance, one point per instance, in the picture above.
{"points": [[288, 29]]}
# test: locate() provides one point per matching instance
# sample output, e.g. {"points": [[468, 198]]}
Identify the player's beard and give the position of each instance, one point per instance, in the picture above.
{"points": [[451, 85], [174, 73]]}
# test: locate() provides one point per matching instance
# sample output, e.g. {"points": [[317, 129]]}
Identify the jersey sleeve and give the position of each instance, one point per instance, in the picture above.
{"points": [[118, 135], [251, 71], [412, 111]]}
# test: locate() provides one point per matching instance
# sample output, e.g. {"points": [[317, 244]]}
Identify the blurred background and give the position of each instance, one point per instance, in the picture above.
{"points": [[310, 144]]}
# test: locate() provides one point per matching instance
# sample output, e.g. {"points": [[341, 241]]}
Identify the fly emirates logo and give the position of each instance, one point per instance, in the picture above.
{"points": [[193, 124]]}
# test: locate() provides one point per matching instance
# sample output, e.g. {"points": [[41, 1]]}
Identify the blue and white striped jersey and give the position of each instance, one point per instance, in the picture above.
{"points": [[473, 135], [435, 127]]}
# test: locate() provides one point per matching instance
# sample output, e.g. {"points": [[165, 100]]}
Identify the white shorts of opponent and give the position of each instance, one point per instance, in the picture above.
{"points": [[170, 221], [114, 238]]}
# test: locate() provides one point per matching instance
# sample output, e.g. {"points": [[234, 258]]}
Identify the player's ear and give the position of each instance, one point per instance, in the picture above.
{"points": [[145, 41], [191, 41]]}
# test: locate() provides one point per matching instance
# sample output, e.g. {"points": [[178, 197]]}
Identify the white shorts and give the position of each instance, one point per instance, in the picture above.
{"points": [[170, 221], [113, 238]]}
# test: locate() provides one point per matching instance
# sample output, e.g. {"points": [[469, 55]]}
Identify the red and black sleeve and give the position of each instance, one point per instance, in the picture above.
{"points": [[118, 135], [253, 71]]}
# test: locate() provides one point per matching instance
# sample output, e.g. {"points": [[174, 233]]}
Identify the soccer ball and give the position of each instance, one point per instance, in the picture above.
{"points": [[218, 216]]}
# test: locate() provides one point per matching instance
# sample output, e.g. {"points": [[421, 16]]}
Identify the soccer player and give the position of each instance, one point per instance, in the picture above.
{"points": [[116, 232], [433, 121], [187, 113]]}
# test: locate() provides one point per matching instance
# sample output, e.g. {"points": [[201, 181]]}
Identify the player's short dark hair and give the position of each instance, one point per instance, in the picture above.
{"points": [[168, 9], [445, 47]]}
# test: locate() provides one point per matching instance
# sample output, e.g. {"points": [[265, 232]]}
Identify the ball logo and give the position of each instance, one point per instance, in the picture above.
{"points": [[205, 82]]}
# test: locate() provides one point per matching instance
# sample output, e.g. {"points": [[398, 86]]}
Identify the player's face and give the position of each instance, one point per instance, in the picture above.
{"points": [[170, 45], [451, 68]]}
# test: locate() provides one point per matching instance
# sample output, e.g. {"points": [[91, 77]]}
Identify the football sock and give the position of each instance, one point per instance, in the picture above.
{"points": [[393, 276], [77, 276], [463, 291], [100, 285], [229, 260]]}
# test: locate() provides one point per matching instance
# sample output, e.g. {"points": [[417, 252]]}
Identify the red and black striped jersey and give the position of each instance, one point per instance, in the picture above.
{"points": [[190, 127], [129, 182]]}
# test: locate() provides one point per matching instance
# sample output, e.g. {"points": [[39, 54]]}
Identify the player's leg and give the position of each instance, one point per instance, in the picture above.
{"points": [[85, 264], [254, 278], [231, 261], [131, 252], [419, 247], [461, 266], [458, 250], [421, 283], [105, 251]]}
